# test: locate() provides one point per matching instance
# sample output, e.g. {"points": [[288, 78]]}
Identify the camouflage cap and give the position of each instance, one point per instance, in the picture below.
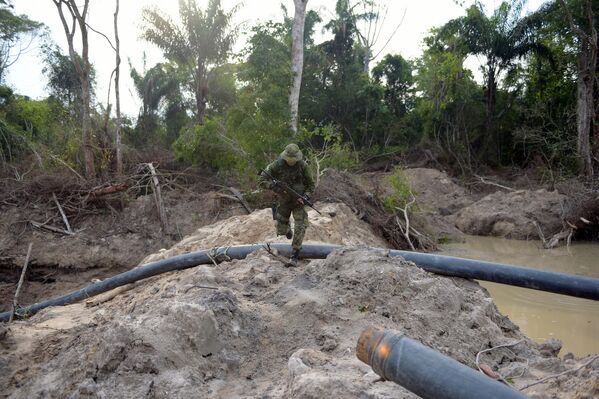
{"points": [[292, 153]]}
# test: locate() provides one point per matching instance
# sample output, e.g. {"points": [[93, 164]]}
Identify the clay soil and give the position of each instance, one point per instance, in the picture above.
{"points": [[250, 328]]}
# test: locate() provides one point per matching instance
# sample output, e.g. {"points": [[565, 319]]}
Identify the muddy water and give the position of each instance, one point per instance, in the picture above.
{"points": [[542, 315]]}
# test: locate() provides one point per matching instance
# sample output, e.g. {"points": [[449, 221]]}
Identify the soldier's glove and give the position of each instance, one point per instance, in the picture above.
{"points": [[277, 187]]}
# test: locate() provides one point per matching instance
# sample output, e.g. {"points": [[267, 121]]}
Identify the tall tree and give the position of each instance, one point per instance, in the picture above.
{"points": [[12, 30], [200, 43], [586, 115], [154, 87], [503, 38], [374, 16], [63, 80], [117, 72], [396, 73], [297, 59], [78, 18]]}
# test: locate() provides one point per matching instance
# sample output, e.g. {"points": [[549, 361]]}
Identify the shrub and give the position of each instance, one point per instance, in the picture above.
{"points": [[402, 191]]}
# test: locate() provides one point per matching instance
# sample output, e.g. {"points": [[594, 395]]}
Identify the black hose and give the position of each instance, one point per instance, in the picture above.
{"points": [[583, 287], [424, 371]]}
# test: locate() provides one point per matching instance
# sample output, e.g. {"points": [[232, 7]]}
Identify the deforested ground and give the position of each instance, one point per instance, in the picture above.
{"points": [[255, 329]]}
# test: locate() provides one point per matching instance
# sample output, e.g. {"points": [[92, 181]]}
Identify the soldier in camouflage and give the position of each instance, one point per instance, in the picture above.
{"points": [[291, 169]]}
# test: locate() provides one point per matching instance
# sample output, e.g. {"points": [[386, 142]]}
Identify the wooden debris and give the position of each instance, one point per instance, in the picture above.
{"points": [[484, 181], [64, 217], [21, 279], [44, 226], [240, 198], [561, 374], [158, 197], [114, 188], [487, 370]]}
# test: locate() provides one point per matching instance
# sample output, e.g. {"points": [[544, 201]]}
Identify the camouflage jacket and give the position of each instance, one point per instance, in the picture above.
{"points": [[298, 177]]}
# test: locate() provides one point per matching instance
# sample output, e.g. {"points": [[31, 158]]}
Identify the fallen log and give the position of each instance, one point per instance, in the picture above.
{"points": [[115, 188]]}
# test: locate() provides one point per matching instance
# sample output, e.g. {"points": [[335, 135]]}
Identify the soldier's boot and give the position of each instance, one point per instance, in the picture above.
{"points": [[289, 234], [294, 258]]}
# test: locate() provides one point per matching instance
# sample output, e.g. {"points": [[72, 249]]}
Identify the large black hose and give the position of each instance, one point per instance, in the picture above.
{"points": [[424, 371], [583, 287]]}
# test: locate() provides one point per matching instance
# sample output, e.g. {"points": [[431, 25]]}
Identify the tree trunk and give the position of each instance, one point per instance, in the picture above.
{"points": [[297, 60], [83, 69], [201, 92], [584, 110], [586, 83], [119, 153], [489, 140], [88, 149]]}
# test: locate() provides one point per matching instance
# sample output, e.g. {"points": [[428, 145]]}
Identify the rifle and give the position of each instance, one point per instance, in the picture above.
{"points": [[289, 190]]}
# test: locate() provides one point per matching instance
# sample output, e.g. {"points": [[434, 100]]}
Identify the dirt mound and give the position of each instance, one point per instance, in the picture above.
{"points": [[340, 187], [513, 215], [252, 328], [331, 227], [437, 196]]}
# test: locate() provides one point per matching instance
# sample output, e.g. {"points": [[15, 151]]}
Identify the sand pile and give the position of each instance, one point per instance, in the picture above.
{"points": [[252, 328]]}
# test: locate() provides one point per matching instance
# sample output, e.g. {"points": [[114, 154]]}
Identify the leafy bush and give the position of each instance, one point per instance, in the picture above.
{"points": [[402, 191], [325, 149]]}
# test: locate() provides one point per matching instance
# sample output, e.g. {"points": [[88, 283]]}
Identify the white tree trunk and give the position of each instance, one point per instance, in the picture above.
{"points": [[297, 60], [83, 68], [119, 153]]}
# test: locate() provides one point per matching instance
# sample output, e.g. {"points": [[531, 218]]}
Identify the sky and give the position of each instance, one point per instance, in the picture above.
{"points": [[414, 18]]}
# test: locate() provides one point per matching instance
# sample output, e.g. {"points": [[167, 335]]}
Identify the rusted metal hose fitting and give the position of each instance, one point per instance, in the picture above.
{"points": [[424, 371]]}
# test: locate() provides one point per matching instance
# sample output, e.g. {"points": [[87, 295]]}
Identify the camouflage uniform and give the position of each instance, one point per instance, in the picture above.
{"points": [[298, 177]]}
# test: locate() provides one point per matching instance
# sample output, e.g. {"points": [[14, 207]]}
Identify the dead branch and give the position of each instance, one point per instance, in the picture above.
{"points": [[407, 230], [114, 188], [21, 279], [158, 197], [240, 198], [541, 235], [560, 374], [482, 179], [107, 296], [64, 217], [67, 165], [562, 235], [483, 368], [275, 254], [44, 226]]}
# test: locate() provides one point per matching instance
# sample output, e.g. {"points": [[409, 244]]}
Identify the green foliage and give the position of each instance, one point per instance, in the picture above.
{"points": [[197, 45], [402, 191], [207, 144], [63, 81], [396, 73], [26, 123], [502, 38], [325, 149], [159, 89], [449, 107]]}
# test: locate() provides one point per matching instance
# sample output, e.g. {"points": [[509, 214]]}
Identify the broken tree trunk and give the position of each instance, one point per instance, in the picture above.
{"points": [[64, 217], [23, 272], [158, 197], [240, 198]]}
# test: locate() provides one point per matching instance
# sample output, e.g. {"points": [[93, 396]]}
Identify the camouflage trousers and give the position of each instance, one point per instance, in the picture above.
{"points": [[300, 218]]}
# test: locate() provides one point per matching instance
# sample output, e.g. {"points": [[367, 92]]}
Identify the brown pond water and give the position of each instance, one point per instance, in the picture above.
{"points": [[542, 315]]}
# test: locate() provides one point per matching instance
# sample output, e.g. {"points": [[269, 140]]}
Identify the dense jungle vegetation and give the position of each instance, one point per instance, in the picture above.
{"points": [[535, 105]]}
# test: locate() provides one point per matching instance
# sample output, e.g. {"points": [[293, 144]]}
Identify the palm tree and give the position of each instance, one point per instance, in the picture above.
{"points": [[201, 43], [502, 39], [155, 86]]}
